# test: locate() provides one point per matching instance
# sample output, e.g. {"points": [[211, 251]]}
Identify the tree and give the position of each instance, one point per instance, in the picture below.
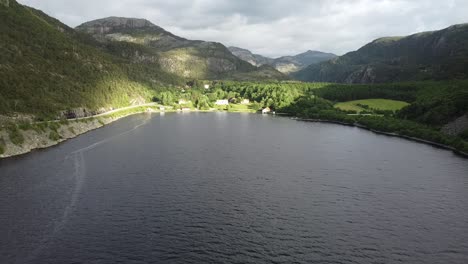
{"points": [[166, 98]]}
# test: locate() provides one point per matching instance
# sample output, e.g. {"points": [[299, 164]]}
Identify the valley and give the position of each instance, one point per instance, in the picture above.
{"points": [[54, 72], [233, 132]]}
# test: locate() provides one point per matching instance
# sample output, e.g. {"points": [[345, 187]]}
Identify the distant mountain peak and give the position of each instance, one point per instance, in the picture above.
{"points": [[127, 22], [285, 64], [110, 24], [121, 28]]}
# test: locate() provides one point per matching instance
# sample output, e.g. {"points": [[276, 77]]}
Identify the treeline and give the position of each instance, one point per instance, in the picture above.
{"points": [[347, 92], [275, 95], [438, 103], [311, 107], [431, 103]]}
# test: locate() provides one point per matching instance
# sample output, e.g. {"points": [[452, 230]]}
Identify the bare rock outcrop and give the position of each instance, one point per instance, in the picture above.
{"points": [[456, 127]]}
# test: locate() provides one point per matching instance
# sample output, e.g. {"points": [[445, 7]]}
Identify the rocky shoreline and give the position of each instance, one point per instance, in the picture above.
{"points": [[40, 139], [34, 139]]}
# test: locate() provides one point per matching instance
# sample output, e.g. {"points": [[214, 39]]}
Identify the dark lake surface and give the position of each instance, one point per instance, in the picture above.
{"points": [[233, 188]]}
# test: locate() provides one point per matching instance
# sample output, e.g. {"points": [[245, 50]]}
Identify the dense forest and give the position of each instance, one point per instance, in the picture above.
{"points": [[432, 103], [47, 67]]}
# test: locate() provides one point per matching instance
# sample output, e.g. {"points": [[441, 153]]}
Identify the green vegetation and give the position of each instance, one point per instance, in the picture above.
{"points": [[371, 105], [431, 103], [2, 146], [261, 94], [54, 136], [24, 125], [15, 135], [47, 67], [464, 135], [419, 120], [242, 108]]}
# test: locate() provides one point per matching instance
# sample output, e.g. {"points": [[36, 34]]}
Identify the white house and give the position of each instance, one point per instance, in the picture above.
{"points": [[207, 86], [222, 102], [266, 110], [245, 102], [183, 101]]}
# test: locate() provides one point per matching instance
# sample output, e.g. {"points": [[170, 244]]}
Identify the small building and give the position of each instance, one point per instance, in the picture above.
{"points": [[183, 101], [245, 102], [186, 109], [162, 108], [222, 102], [266, 110], [207, 86]]}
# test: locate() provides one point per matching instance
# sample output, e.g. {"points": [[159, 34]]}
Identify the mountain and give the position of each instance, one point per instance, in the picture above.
{"points": [[436, 55], [47, 67], [248, 56], [141, 41], [286, 64], [290, 64]]}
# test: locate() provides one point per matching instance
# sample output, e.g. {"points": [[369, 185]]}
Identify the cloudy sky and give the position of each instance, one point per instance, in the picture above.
{"points": [[273, 27]]}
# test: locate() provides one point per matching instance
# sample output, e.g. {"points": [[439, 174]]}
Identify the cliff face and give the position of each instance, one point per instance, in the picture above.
{"points": [[104, 26], [430, 55], [187, 58], [457, 126]]}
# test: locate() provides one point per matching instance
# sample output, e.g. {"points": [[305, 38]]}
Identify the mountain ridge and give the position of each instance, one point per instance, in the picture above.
{"points": [[140, 40], [439, 55], [284, 64]]}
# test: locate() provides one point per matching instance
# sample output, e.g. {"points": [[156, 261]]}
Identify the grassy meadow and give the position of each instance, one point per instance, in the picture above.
{"points": [[377, 104]]}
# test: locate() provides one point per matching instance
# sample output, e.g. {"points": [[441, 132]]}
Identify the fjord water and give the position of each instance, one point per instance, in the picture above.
{"points": [[233, 188]]}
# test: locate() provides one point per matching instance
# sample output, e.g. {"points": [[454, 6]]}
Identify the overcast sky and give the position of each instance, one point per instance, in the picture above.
{"points": [[273, 27]]}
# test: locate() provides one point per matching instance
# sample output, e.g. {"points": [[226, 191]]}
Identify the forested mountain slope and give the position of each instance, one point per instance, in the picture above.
{"points": [[47, 67], [437, 55], [142, 42]]}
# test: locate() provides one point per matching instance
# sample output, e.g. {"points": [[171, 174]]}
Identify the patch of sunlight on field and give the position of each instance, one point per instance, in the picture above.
{"points": [[379, 104]]}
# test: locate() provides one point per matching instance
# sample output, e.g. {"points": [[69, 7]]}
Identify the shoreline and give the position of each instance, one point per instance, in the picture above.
{"points": [[414, 139], [36, 140]]}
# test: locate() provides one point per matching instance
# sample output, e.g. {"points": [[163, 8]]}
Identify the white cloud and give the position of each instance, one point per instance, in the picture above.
{"points": [[273, 27]]}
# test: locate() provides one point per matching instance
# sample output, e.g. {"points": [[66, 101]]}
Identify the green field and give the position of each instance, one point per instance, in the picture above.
{"points": [[377, 104], [241, 108]]}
